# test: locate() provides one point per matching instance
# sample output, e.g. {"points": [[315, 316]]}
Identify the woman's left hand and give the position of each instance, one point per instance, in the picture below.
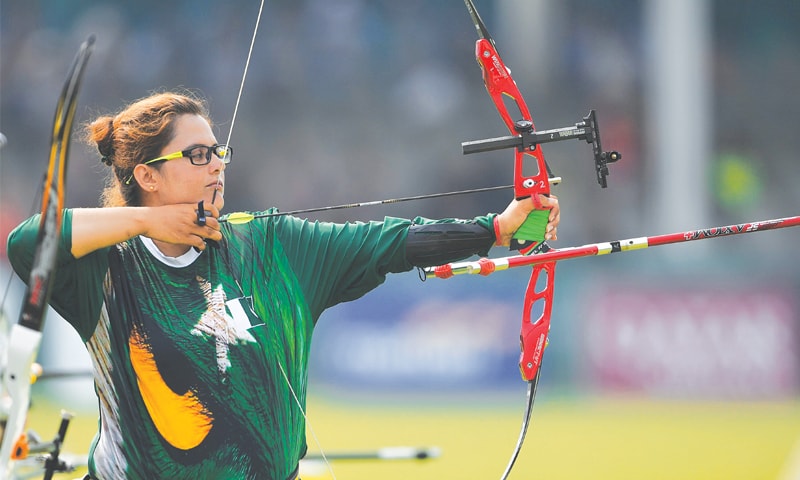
{"points": [[517, 212]]}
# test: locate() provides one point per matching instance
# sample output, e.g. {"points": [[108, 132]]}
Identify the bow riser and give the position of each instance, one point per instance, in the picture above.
{"points": [[26, 336], [23, 346], [539, 293], [533, 335], [531, 174], [500, 85]]}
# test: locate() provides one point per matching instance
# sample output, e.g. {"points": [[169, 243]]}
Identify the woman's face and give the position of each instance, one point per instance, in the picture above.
{"points": [[180, 181]]}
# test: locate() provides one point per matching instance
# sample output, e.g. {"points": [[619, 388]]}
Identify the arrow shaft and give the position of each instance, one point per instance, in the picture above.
{"points": [[376, 202]]}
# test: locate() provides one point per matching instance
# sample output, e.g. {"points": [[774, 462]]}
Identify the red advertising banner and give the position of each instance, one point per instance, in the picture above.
{"points": [[740, 344]]}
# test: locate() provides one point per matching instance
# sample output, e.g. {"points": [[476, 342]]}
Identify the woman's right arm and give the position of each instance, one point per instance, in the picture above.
{"points": [[96, 228], [77, 293]]}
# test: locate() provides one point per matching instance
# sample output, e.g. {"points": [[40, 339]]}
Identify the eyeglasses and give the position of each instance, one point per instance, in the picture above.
{"points": [[199, 155]]}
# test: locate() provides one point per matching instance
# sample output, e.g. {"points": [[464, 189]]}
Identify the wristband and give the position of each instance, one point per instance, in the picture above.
{"points": [[497, 237]]}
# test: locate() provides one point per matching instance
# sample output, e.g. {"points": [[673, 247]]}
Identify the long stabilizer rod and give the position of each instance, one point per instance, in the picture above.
{"points": [[486, 266]]}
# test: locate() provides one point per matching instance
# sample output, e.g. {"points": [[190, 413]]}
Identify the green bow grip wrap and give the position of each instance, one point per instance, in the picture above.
{"points": [[534, 228]]}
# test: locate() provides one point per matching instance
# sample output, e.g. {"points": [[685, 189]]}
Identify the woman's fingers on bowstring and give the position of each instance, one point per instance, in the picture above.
{"points": [[210, 214], [179, 224], [210, 226]]}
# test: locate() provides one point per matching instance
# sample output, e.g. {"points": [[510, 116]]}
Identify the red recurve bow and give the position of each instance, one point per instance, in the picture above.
{"points": [[529, 239]]}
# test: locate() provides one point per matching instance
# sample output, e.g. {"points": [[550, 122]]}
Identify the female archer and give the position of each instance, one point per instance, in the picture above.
{"points": [[199, 332]]}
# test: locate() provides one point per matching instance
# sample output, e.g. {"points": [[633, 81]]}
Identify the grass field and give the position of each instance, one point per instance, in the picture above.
{"points": [[568, 439]]}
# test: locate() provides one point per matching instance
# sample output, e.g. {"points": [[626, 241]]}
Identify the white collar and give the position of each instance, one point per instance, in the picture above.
{"points": [[182, 261]]}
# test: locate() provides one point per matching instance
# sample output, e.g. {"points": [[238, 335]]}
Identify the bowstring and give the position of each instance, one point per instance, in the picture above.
{"points": [[244, 75], [310, 428], [214, 197], [239, 95]]}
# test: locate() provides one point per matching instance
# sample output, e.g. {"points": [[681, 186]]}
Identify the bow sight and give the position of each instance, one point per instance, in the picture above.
{"points": [[528, 139]]}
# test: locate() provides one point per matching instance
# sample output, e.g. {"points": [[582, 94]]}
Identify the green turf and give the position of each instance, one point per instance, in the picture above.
{"points": [[568, 439]]}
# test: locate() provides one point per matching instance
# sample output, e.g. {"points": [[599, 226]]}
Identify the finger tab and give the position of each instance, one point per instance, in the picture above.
{"points": [[201, 214]]}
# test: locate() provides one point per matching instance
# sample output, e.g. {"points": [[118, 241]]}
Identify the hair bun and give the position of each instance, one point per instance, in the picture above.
{"points": [[106, 144]]}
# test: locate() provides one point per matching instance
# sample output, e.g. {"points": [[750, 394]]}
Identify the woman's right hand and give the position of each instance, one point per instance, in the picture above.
{"points": [[178, 225]]}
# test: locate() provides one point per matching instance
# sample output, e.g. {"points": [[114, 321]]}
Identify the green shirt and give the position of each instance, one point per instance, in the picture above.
{"points": [[198, 359]]}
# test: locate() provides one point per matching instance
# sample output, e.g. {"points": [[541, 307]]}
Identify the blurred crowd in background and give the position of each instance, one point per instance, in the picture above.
{"points": [[354, 100], [357, 100]]}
